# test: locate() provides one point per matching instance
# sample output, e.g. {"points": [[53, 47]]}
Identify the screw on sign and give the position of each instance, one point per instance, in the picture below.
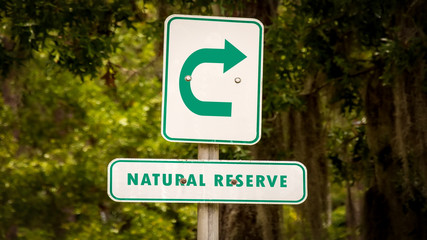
{"points": [[183, 181]]}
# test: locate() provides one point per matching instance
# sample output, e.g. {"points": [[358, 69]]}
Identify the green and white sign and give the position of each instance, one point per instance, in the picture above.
{"points": [[214, 181], [212, 80]]}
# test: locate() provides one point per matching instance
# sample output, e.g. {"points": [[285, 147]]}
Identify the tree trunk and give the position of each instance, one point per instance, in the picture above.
{"points": [[254, 221], [396, 203], [309, 148], [354, 204]]}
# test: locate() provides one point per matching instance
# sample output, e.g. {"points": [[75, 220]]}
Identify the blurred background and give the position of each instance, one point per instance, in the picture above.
{"points": [[345, 93]]}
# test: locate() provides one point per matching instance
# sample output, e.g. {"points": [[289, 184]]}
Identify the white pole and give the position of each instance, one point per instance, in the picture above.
{"points": [[208, 213]]}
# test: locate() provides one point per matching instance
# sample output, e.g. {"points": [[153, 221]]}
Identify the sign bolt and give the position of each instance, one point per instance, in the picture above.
{"points": [[188, 78], [237, 80], [234, 181], [183, 181]]}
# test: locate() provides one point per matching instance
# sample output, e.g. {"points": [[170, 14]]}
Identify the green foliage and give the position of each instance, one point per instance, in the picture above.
{"points": [[55, 147], [77, 35], [58, 133], [55, 179], [338, 228], [234, 152], [348, 152]]}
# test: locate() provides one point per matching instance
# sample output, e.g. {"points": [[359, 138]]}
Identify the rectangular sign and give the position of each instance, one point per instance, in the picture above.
{"points": [[212, 80], [203, 181]]}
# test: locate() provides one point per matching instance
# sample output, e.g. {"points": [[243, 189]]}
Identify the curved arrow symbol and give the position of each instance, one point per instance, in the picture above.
{"points": [[229, 56]]}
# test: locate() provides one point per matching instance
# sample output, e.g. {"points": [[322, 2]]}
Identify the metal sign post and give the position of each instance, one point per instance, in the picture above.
{"points": [[208, 213]]}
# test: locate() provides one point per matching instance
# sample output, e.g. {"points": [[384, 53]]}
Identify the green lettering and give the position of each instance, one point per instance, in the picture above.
{"points": [[283, 181], [272, 181], [146, 179], [133, 179], [228, 180], [202, 184], [156, 178], [165, 182], [249, 180], [218, 180], [191, 180], [239, 180], [260, 181]]}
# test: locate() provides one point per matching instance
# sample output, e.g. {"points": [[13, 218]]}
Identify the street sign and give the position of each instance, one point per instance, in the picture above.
{"points": [[201, 181], [212, 80]]}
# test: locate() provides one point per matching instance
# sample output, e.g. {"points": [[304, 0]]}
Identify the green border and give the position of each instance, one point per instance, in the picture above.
{"points": [[112, 163], [165, 83]]}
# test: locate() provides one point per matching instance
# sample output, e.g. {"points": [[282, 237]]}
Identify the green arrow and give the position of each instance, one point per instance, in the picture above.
{"points": [[229, 56]]}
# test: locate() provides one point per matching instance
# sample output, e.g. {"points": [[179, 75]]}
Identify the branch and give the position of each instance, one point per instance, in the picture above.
{"points": [[361, 72]]}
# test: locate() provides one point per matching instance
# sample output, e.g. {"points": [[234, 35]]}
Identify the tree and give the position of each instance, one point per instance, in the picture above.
{"points": [[373, 54], [396, 130], [344, 92], [59, 133]]}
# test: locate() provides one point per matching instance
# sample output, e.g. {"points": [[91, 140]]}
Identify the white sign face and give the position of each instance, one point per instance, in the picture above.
{"points": [[213, 181], [212, 80]]}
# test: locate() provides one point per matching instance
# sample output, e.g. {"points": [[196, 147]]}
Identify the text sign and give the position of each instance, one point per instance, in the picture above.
{"points": [[212, 79], [200, 181]]}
